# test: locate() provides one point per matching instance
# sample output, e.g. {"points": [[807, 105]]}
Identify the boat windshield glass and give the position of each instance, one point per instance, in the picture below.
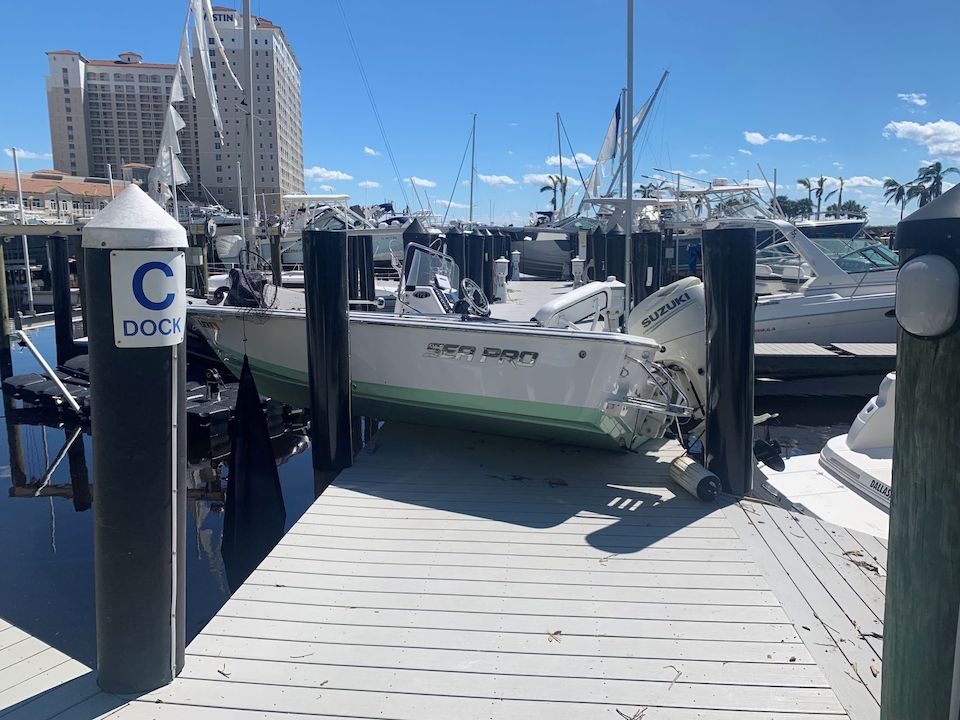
{"points": [[868, 259], [426, 264]]}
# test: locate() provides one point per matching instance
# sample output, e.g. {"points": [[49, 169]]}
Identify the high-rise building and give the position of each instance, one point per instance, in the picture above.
{"points": [[112, 112]]}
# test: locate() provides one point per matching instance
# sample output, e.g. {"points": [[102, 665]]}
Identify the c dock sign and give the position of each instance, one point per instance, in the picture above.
{"points": [[149, 297]]}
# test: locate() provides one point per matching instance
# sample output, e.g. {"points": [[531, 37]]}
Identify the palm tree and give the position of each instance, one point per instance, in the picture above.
{"points": [[562, 183], [552, 186], [931, 176], [808, 186], [897, 192], [826, 199], [818, 192], [840, 197], [919, 192]]}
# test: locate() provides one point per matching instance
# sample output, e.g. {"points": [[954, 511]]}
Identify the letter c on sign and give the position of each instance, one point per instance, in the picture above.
{"points": [[138, 278]]}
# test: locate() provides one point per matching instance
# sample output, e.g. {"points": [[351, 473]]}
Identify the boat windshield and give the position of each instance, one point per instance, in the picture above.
{"points": [[423, 266], [868, 259]]}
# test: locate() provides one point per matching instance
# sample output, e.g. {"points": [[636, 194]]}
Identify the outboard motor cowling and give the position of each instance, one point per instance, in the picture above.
{"points": [[675, 317]]}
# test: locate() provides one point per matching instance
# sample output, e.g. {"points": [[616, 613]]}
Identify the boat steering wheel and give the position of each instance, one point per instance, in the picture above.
{"points": [[471, 293]]}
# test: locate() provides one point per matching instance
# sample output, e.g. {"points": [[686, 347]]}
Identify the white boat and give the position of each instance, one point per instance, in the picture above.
{"points": [[569, 375], [849, 483], [850, 299]]}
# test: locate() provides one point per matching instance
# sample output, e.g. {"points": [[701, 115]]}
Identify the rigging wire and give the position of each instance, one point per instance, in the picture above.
{"points": [[373, 103], [572, 153], [457, 181]]}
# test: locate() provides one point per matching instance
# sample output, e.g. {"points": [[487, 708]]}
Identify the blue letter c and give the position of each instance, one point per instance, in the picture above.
{"points": [[138, 293]]}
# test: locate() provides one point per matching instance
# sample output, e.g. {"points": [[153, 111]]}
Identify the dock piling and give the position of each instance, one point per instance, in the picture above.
{"points": [[136, 266], [62, 306], [325, 272], [729, 256], [921, 671]]}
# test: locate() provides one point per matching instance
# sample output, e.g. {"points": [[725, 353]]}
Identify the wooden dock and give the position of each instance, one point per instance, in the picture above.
{"points": [[451, 574]]}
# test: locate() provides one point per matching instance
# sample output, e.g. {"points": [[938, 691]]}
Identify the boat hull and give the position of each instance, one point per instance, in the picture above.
{"points": [[826, 319], [535, 383]]}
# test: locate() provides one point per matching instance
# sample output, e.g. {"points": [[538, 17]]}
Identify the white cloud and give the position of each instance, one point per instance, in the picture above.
{"points": [[421, 182], [700, 156], [28, 154], [941, 137], [862, 181], [754, 182], [509, 152], [327, 188], [539, 178], [703, 171], [581, 157], [496, 179], [452, 204], [321, 173], [744, 152], [918, 99], [755, 138], [367, 150], [368, 184]]}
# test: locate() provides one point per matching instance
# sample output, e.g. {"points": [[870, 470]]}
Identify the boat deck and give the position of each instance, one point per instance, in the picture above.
{"points": [[450, 574]]}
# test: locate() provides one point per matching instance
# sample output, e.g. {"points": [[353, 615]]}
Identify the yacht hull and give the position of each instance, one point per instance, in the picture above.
{"points": [[533, 382], [825, 319]]}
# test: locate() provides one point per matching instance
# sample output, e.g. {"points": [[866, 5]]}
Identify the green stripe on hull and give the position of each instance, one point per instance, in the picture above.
{"points": [[523, 418]]}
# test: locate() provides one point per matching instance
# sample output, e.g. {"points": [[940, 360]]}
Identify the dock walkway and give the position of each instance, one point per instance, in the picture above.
{"points": [[457, 575]]}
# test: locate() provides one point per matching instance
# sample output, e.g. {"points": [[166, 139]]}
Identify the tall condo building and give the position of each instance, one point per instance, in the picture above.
{"points": [[112, 111]]}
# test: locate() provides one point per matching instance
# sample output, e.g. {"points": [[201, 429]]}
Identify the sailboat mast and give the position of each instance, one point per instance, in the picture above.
{"points": [[473, 162], [560, 160], [249, 150], [628, 225]]}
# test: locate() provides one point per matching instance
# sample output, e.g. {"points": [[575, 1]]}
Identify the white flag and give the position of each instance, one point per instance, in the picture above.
{"points": [[608, 150], [212, 32], [200, 50], [183, 62]]}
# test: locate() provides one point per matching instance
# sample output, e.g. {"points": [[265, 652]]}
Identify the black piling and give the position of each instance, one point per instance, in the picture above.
{"points": [[415, 233], [653, 241], [79, 477], [354, 259], [475, 256], [489, 269], [276, 260], [597, 249], [328, 352], [367, 278], [728, 259], [456, 249], [138, 419], [6, 356], [616, 253], [638, 268], [60, 287]]}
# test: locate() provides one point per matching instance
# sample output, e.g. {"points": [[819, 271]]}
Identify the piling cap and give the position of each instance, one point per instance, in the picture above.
{"points": [[616, 230], [415, 229], [935, 226], [133, 221]]}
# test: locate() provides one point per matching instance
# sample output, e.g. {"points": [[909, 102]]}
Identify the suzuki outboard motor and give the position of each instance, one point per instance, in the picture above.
{"points": [[675, 316]]}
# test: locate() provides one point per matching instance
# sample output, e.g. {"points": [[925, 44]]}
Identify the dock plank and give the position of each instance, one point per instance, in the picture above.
{"points": [[845, 660], [542, 583]]}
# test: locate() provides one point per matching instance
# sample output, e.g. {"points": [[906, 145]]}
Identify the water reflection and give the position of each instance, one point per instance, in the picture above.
{"points": [[45, 526]]}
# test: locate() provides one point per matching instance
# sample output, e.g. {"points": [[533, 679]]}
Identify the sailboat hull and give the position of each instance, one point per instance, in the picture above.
{"points": [[526, 381]]}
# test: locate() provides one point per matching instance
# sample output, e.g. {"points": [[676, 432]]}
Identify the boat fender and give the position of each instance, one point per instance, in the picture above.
{"points": [[695, 478]]}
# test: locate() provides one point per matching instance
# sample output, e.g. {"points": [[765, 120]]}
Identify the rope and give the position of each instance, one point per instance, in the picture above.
{"points": [[457, 181], [373, 103], [572, 153]]}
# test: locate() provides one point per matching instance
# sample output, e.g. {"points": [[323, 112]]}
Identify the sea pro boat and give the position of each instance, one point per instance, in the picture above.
{"points": [[569, 374]]}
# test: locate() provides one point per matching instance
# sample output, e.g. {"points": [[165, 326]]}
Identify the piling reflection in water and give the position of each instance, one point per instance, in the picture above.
{"points": [[255, 513]]}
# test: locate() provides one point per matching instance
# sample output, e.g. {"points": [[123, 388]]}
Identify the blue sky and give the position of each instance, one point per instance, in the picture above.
{"points": [[859, 90]]}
